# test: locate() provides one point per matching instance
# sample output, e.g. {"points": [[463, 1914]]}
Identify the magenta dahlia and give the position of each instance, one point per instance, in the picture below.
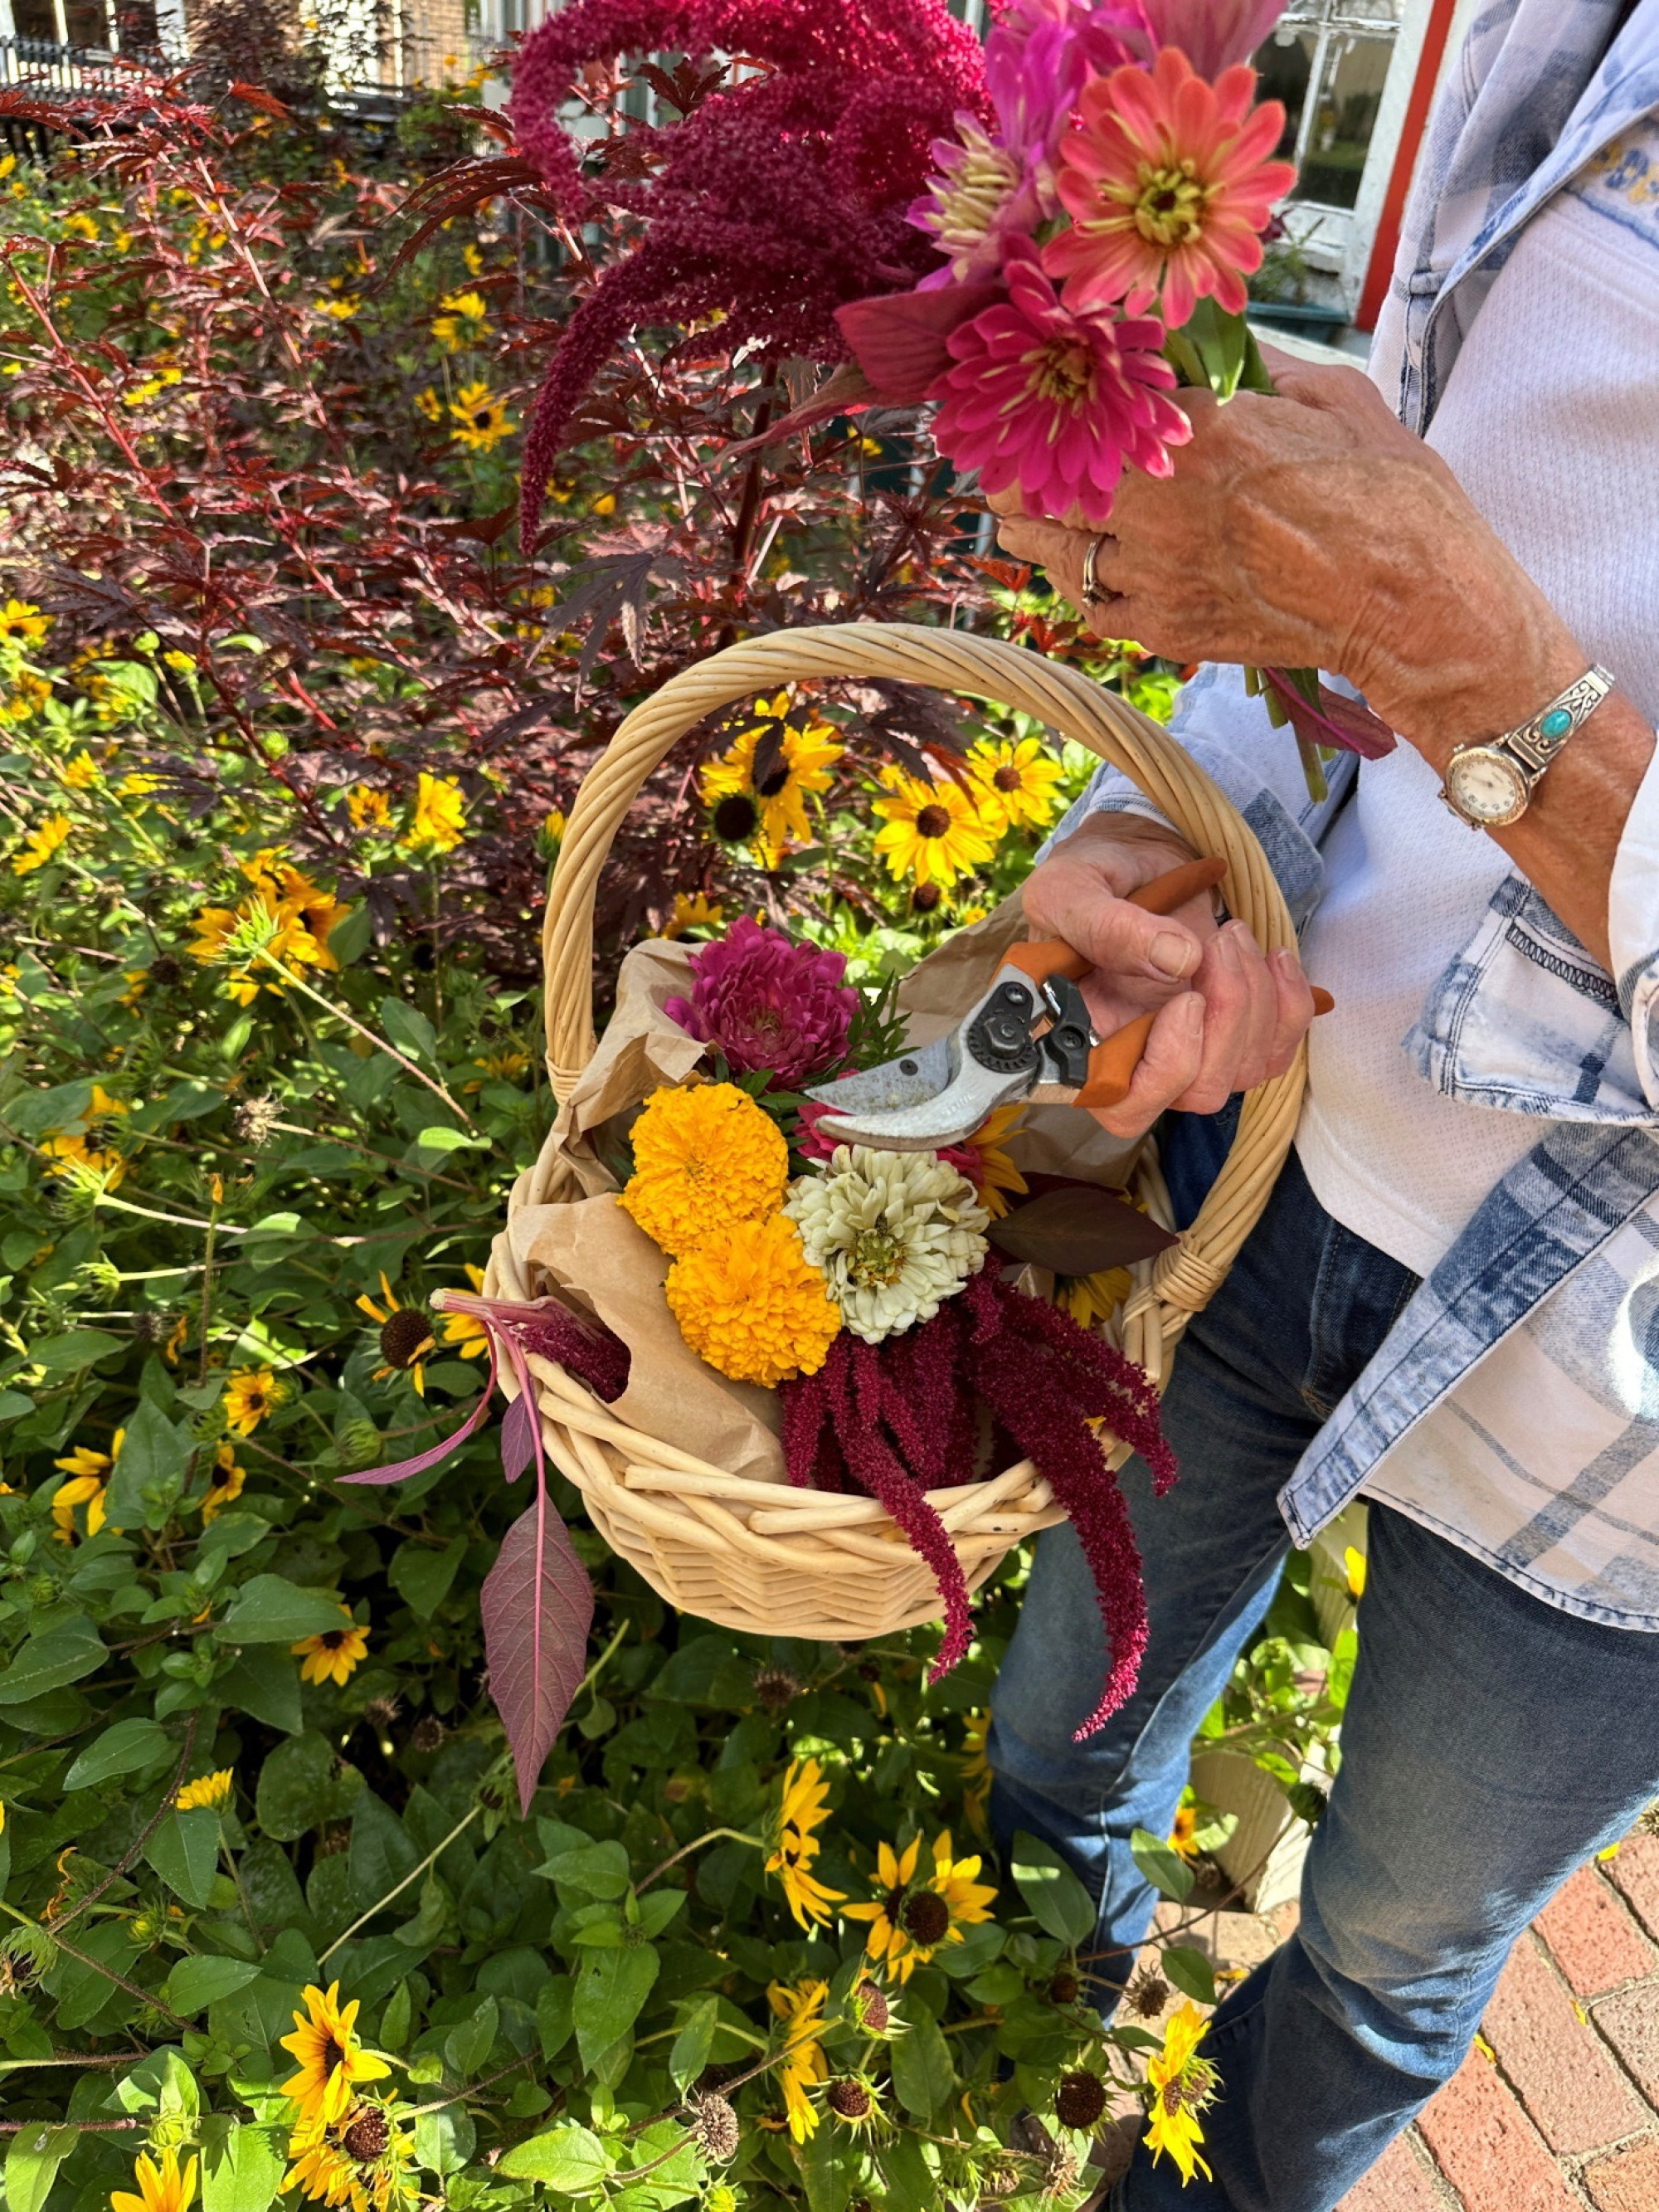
{"points": [[768, 1006], [1052, 400]]}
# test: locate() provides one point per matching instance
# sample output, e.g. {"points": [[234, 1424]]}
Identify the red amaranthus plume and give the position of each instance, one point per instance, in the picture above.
{"points": [[779, 197]]}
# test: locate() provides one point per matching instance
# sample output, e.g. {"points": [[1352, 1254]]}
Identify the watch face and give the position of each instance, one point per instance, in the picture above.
{"points": [[1486, 785]]}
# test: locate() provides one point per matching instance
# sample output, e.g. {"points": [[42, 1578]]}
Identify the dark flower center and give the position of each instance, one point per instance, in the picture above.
{"points": [[850, 2098], [1080, 2100], [932, 821], [405, 1336], [737, 819], [925, 897], [1007, 778], [367, 2135], [927, 1916], [333, 2052], [333, 1638]]}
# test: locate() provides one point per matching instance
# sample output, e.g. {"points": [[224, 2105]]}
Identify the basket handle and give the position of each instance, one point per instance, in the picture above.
{"points": [[1185, 1278]]}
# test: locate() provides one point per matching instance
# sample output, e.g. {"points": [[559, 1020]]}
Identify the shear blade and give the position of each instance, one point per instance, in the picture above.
{"points": [[949, 1118], [910, 1080]]}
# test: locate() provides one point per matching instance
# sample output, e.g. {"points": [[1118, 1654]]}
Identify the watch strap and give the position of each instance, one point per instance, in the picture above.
{"points": [[1534, 744]]}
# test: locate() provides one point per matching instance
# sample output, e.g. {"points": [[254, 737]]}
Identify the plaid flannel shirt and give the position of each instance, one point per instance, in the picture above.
{"points": [[1523, 1378]]}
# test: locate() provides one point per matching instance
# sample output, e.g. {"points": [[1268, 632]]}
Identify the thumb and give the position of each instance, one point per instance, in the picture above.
{"points": [[1124, 940]]}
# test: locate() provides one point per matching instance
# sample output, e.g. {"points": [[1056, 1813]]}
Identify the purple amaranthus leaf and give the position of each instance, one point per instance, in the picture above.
{"points": [[1348, 724], [538, 1607]]}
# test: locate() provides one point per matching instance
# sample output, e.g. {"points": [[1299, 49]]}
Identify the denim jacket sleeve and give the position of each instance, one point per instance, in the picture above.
{"points": [[1228, 733]]}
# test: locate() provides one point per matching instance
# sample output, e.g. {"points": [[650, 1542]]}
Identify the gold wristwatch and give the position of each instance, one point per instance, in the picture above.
{"points": [[1490, 783]]}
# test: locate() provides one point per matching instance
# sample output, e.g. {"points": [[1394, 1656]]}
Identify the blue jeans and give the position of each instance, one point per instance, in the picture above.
{"points": [[1490, 1745]]}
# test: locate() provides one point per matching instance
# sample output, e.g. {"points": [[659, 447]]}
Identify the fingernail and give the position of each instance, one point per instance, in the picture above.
{"points": [[1229, 951], [1244, 936], [1172, 954]]}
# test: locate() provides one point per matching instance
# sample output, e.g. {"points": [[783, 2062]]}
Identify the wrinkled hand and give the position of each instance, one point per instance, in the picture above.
{"points": [[1311, 530], [1231, 1016]]}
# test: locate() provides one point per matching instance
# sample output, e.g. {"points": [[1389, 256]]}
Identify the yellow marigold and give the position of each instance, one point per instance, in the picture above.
{"points": [[704, 1157], [752, 1304]]}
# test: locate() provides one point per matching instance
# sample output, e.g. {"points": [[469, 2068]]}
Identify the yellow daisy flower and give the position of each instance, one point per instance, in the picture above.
{"points": [[369, 809], [22, 624], [887, 1944], [208, 1792], [406, 1336], [40, 845], [801, 2008], [996, 1173], [330, 2059], [88, 1472], [975, 1769], [81, 227], [250, 1394], [463, 322], [82, 773], [804, 1808], [694, 911], [430, 404], [1020, 782], [932, 831], [161, 2186], [439, 822], [225, 1482], [465, 1331], [481, 420], [1181, 2084], [331, 1656], [770, 815]]}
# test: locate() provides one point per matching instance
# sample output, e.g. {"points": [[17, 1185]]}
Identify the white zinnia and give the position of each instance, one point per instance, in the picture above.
{"points": [[894, 1233]]}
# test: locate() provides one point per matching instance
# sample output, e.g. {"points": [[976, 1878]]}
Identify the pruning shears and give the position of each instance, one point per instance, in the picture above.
{"points": [[1029, 1038]]}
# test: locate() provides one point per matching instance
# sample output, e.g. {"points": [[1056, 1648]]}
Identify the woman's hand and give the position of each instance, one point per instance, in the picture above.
{"points": [[1312, 530], [1230, 1016]]}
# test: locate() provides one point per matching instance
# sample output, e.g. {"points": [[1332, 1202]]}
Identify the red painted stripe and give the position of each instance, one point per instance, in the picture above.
{"points": [[1386, 244]]}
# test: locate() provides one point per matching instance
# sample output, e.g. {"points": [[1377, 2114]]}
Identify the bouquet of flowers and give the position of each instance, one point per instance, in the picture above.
{"points": [[1042, 239]]}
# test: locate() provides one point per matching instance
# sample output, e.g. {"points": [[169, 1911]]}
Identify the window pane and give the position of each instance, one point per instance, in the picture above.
{"points": [[1283, 66], [1350, 91]]}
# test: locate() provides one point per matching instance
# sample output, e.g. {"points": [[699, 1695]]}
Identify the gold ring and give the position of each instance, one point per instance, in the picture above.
{"points": [[1092, 593]]}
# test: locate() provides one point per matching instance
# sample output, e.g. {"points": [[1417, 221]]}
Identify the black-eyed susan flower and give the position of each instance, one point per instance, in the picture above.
{"points": [[161, 2186], [331, 1656], [225, 1482], [887, 1944], [363, 2162], [481, 420], [332, 2061], [22, 624], [694, 910], [42, 845], [406, 1336], [208, 1792], [804, 1809], [438, 821], [933, 832], [1018, 779], [251, 1394], [370, 809], [983, 1159], [769, 812], [462, 321], [800, 2008], [1180, 2084], [88, 1472]]}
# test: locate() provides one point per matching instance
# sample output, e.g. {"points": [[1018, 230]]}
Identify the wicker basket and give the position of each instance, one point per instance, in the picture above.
{"points": [[756, 1556]]}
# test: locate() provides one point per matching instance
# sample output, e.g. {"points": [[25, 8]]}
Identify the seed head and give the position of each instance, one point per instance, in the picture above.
{"points": [[924, 897], [367, 2137], [428, 1733], [1148, 1993], [254, 1120], [165, 970], [1080, 2099], [926, 1918], [381, 1712], [850, 2099], [1058, 2173], [777, 1687], [714, 2125], [405, 1336], [870, 2004], [1063, 1989]]}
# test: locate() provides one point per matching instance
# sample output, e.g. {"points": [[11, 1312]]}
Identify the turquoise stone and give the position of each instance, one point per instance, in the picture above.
{"points": [[1556, 724]]}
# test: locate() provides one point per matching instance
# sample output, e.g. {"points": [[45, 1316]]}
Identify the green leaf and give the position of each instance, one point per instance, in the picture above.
{"points": [[76, 1348], [349, 937], [439, 1137], [598, 1870], [690, 2054], [47, 1662], [571, 2158], [554, 2022], [382, 1851], [1166, 1870], [1059, 1902], [185, 1852], [299, 1788], [268, 1609], [1190, 1972], [923, 2074], [265, 1683], [409, 1029], [31, 2162], [468, 2046], [197, 1982], [149, 1478], [422, 1576], [1338, 1679], [126, 1748], [612, 1987], [243, 2172]]}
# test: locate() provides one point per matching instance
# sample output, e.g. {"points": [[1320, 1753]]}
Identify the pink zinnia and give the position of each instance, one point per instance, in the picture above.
{"points": [[768, 1006], [1052, 399], [1168, 186]]}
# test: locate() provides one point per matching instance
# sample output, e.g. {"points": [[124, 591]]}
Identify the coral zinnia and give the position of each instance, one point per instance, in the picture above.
{"points": [[705, 1158], [1168, 186], [768, 1006], [895, 1233], [751, 1303], [932, 831], [1051, 400], [330, 2059]]}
